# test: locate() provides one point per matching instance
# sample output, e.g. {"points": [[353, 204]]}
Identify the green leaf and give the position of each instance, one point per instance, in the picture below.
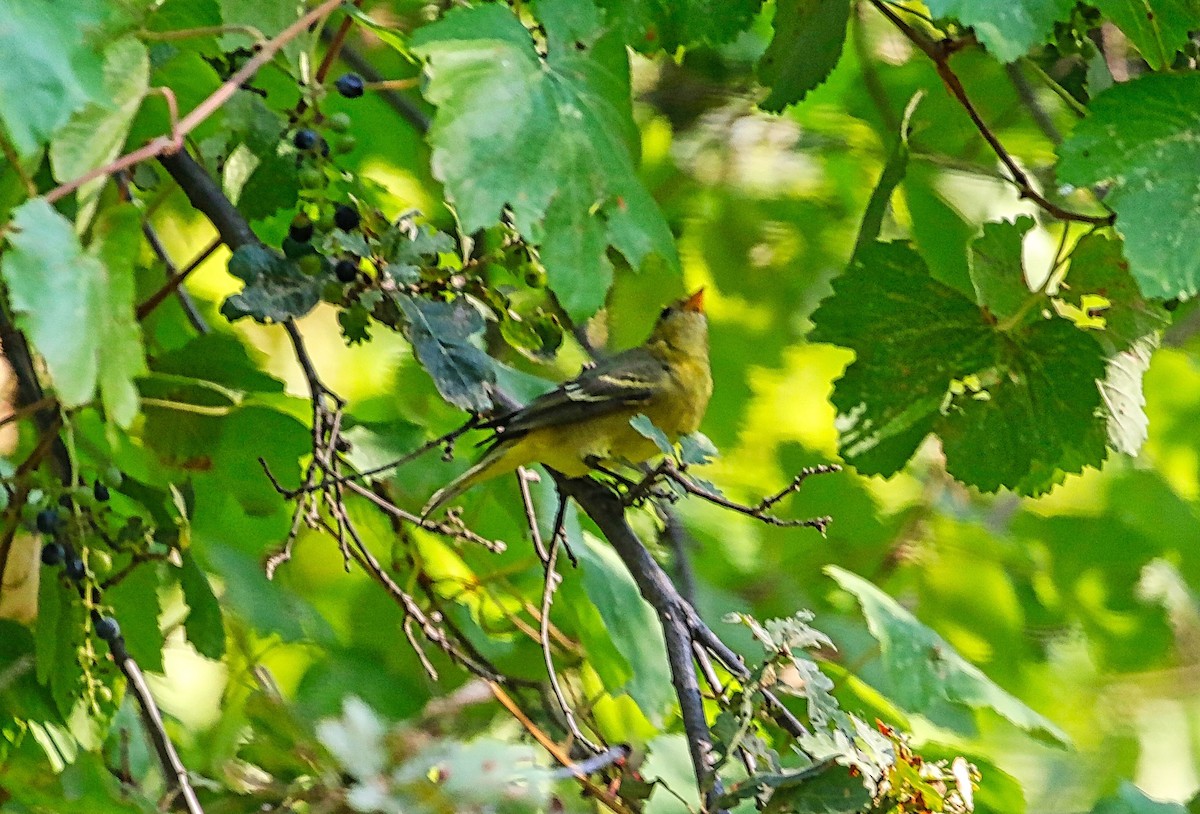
{"points": [[820, 789], [893, 173], [1159, 28], [648, 25], [258, 127], [95, 134], [276, 289], [804, 50], [646, 429], [1009, 406], [204, 625], [1129, 799], [1008, 28], [48, 68], [378, 443], [267, 17], [922, 669], [939, 230], [632, 624], [996, 270], [1098, 269], [117, 236], [272, 185], [53, 284], [266, 604], [57, 637], [550, 139], [137, 608], [697, 449], [441, 333], [1139, 135]]}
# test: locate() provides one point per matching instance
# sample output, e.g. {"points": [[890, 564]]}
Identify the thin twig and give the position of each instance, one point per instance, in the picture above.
{"points": [[175, 774], [614, 803], [335, 46], [939, 52], [174, 276], [549, 584], [759, 511]]}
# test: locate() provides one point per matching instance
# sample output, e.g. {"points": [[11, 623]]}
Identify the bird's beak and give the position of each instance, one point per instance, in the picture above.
{"points": [[695, 303]]}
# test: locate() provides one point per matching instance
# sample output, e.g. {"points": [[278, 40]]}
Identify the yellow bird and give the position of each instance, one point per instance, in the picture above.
{"points": [[586, 421]]}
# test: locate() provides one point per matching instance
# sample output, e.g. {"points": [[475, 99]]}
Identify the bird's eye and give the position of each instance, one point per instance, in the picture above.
{"points": [[664, 312]]}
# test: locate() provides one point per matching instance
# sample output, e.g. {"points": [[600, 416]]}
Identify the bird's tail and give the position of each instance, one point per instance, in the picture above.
{"points": [[489, 465]]}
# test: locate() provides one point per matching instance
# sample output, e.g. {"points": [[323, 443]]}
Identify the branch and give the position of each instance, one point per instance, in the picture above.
{"points": [[760, 510], [674, 614], [939, 52], [174, 771]]}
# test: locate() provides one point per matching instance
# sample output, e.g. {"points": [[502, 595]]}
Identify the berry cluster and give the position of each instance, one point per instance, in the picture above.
{"points": [[298, 245], [312, 147]]}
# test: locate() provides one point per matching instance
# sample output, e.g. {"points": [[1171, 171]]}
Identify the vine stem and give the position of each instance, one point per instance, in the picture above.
{"points": [[939, 52]]}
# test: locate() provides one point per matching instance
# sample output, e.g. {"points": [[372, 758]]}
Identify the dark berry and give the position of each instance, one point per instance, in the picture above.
{"points": [[100, 491], [1171, 304], [346, 218], [349, 85], [301, 229], [53, 554], [75, 569], [346, 270], [47, 521], [107, 628], [305, 139]]}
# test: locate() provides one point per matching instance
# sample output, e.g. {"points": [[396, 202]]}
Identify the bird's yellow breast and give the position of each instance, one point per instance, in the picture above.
{"points": [[676, 409]]}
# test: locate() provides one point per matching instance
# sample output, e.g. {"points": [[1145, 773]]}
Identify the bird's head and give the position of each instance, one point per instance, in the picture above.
{"points": [[682, 326]]}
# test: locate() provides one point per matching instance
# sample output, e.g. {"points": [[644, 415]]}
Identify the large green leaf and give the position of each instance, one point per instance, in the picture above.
{"points": [[922, 669], [48, 69], [77, 312], [1012, 405], [806, 46], [550, 139], [1141, 137], [1008, 28]]}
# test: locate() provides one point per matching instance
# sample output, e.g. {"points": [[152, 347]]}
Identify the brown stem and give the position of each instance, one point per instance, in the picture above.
{"points": [[939, 52]]}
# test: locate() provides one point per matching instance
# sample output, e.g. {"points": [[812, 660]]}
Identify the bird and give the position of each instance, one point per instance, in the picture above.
{"points": [[584, 423]]}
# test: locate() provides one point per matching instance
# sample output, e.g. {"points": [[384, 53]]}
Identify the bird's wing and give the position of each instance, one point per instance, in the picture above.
{"points": [[626, 380]]}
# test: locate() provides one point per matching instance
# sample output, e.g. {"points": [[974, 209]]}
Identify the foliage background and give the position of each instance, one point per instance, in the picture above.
{"points": [[1077, 598]]}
